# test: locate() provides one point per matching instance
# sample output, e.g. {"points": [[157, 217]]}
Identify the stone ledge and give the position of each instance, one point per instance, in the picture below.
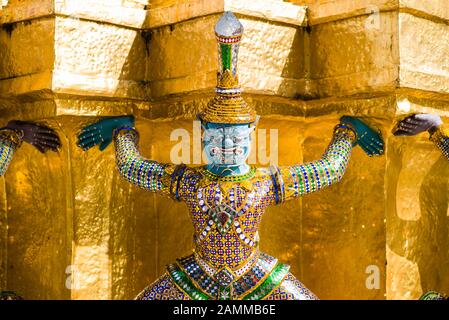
{"points": [[438, 9], [27, 11], [25, 84], [130, 17], [344, 85], [333, 10], [46, 104], [388, 104], [72, 83], [136, 16], [90, 10], [270, 85], [140, 18], [424, 81], [273, 10]]}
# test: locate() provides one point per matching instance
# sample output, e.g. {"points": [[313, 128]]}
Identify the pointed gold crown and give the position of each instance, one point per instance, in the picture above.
{"points": [[228, 105]]}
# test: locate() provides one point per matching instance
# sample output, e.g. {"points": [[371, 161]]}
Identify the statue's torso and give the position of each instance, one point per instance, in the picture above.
{"points": [[227, 263], [226, 216]]}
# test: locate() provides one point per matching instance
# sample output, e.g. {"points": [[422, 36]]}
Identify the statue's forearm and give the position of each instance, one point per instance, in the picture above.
{"points": [[330, 168], [301, 179], [147, 174], [9, 143], [441, 140]]}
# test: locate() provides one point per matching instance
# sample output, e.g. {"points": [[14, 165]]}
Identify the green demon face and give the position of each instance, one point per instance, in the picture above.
{"points": [[227, 144]]}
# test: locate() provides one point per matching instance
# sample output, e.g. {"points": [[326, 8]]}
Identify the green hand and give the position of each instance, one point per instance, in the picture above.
{"points": [[368, 139], [101, 131]]}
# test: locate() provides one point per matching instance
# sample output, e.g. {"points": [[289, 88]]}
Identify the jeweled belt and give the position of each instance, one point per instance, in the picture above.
{"points": [[238, 272], [254, 282]]}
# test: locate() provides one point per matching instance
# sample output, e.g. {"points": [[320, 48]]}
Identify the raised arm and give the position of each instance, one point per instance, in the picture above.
{"points": [[9, 143], [15, 132], [432, 123], [144, 173], [441, 139], [291, 181], [132, 166]]}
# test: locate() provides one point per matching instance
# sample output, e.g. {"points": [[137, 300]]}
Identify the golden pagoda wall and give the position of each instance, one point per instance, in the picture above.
{"points": [[71, 228]]}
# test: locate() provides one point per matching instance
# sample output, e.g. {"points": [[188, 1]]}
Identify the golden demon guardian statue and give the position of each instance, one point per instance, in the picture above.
{"points": [[227, 197]]}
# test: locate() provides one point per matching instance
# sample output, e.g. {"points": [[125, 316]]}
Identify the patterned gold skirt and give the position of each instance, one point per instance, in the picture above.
{"points": [[266, 279]]}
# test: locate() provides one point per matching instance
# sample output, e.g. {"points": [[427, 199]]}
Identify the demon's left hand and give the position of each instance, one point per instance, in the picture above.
{"points": [[368, 139]]}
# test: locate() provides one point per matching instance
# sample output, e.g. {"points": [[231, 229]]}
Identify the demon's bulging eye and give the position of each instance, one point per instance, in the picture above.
{"points": [[217, 139], [237, 139], [212, 138]]}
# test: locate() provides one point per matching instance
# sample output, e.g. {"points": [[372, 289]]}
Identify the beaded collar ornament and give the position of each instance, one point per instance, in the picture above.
{"points": [[228, 105]]}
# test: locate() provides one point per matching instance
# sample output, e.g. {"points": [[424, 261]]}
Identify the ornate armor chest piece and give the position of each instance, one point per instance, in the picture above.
{"points": [[226, 219], [226, 213]]}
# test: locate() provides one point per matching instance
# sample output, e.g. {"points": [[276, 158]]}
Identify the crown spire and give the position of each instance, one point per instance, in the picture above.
{"points": [[228, 105], [228, 31]]}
